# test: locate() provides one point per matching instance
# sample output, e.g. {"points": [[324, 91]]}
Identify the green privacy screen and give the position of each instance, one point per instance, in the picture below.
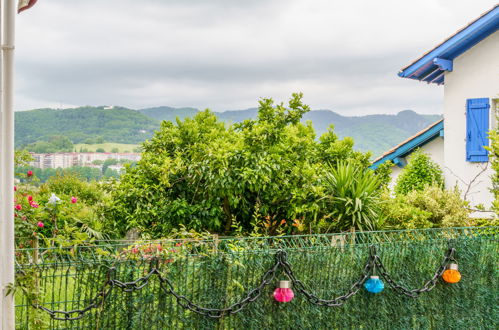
{"points": [[220, 272]]}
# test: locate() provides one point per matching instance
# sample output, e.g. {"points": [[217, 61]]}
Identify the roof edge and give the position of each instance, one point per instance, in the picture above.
{"points": [[417, 140], [462, 34]]}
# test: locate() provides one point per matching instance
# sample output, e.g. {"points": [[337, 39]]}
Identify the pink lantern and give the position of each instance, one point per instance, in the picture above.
{"points": [[284, 293]]}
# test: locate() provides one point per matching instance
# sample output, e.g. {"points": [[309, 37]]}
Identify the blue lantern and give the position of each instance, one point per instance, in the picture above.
{"points": [[374, 285]]}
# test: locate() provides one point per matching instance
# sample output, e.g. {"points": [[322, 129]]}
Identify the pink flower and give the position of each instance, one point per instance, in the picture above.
{"points": [[19, 207], [29, 173], [74, 199], [40, 224], [34, 204], [135, 250], [30, 198]]}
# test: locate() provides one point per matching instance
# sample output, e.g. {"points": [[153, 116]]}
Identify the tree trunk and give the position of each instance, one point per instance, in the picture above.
{"points": [[228, 215]]}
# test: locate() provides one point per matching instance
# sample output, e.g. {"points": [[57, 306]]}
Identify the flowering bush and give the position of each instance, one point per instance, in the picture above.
{"points": [[57, 218]]}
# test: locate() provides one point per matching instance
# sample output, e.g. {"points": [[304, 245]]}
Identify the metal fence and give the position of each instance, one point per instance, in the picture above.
{"points": [[227, 283]]}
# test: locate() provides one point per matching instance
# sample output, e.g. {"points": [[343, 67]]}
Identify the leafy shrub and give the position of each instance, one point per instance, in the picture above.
{"points": [[70, 184], [420, 172], [431, 207], [211, 177]]}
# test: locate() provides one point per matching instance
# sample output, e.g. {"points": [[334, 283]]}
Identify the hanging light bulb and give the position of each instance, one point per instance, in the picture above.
{"points": [[374, 285], [451, 274], [284, 293]]}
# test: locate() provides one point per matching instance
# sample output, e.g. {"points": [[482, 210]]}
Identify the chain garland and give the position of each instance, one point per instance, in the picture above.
{"points": [[373, 262], [428, 286]]}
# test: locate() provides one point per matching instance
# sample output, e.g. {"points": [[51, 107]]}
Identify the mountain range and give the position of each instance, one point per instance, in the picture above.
{"points": [[375, 133]]}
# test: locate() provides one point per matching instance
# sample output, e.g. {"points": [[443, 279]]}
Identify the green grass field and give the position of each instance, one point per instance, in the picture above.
{"points": [[108, 147]]}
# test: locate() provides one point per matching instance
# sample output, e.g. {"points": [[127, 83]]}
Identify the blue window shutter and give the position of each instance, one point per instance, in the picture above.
{"points": [[477, 126]]}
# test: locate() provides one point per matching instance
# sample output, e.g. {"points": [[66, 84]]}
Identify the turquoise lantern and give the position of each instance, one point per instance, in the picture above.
{"points": [[374, 285]]}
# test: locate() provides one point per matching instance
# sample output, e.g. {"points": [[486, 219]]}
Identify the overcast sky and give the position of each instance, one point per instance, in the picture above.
{"points": [[343, 55]]}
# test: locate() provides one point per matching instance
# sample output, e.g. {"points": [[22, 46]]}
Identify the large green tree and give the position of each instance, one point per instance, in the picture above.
{"points": [[206, 175]]}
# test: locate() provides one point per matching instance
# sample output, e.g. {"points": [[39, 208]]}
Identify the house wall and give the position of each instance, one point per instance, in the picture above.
{"points": [[475, 75], [434, 149]]}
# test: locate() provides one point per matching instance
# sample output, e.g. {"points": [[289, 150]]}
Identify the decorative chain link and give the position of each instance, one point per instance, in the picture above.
{"points": [[281, 261], [312, 298], [428, 286], [252, 295], [76, 314]]}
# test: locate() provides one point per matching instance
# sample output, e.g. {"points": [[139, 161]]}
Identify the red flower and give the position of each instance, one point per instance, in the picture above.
{"points": [[19, 207], [15, 188], [29, 173], [30, 198], [74, 199], [40, 224]]}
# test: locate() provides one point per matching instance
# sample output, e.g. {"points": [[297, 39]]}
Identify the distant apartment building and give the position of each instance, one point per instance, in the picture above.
{"points": [[69, 159]]}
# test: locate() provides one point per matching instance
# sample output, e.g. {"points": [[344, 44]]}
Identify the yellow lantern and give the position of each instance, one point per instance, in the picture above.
{"points": [[451, 274]]}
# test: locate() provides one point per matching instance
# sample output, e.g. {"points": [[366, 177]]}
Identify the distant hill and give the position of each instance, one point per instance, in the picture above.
{"points": [[375, 133], [117, 124]]}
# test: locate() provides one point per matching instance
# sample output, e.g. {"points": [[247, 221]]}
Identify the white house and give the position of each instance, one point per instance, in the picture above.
{"points": [[467, 64]]}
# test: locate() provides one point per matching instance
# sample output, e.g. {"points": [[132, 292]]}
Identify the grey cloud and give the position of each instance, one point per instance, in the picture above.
{"points": [[225, 54]]}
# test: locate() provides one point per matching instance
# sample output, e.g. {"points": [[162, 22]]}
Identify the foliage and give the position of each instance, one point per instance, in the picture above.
{"points": [[383, 172], [420, 172], [208, 176], [83, 172], [22, 158], [114, 147], [352, 193], [56, 143], [494, 161], [431, 207]]}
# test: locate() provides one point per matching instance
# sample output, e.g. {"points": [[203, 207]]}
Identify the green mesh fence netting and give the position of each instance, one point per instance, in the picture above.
{"points": [[220, 272]]}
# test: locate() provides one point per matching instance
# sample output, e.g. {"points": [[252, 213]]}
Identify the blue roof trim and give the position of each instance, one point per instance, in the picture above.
{"points": [[405, 148], [427, 69]]}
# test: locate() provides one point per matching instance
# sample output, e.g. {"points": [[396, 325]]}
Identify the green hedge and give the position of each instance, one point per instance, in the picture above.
{"points": [[218, 273]]}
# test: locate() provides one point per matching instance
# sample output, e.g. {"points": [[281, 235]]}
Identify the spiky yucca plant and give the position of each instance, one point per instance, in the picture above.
{"points": [[353, 197]]}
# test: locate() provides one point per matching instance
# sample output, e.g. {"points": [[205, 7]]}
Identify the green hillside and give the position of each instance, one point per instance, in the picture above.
{"points": [[375, 133], [84, 125]]}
